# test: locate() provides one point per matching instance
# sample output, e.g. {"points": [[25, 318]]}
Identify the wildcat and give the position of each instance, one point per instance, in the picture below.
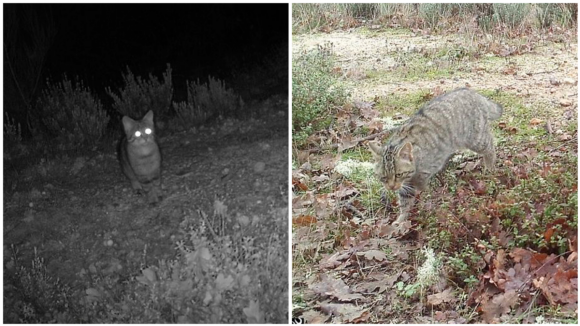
{"points": [[140, 157], [422, 146]]}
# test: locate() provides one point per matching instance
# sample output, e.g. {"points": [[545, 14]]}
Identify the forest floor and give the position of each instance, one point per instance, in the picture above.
{"points": [[499, 247], [81, 247]]}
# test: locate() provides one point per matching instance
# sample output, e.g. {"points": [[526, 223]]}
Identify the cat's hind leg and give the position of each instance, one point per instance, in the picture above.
{"points": [[484, 146]]}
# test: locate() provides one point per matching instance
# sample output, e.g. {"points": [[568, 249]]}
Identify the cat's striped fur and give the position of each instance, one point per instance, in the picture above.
{"points": [[140, 156], [420, 148]]}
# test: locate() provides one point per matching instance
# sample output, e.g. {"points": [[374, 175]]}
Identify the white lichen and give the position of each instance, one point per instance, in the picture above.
{"points": [[429, 270], [350, 167]]}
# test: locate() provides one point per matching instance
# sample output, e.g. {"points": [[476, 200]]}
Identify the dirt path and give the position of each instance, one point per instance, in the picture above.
{"points": [[527, 75], [81, 217]]}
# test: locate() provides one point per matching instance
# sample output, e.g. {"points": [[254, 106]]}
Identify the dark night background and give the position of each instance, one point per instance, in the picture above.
{"points": [[96, 42]]}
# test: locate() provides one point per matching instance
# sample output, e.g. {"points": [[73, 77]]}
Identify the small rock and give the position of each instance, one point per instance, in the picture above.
{"points": [[35, 193], [78, 165], [259, 167], [569, 81], [554, 81], [564, 137], [243, 220], [565, 102], [29, 215]]}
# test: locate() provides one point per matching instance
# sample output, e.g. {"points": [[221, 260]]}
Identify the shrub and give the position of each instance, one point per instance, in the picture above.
{"points": [[315, 91], [141, 95], [511, 14], [307, 17], [205, 101], [359, 10], [31, 295], [72, 113], [12, 130], [431, 13], [549, 13]]}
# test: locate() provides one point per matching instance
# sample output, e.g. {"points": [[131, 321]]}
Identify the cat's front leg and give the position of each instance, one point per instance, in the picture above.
{"points": [[155, 194], [406, 202]]}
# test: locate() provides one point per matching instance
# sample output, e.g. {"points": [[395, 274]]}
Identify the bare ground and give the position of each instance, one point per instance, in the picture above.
{"points": [[530, 77], [82, 219]]}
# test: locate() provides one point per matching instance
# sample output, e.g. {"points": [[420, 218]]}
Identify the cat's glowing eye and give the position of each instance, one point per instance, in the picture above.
{"points": [[148, 131], [137, 133]]}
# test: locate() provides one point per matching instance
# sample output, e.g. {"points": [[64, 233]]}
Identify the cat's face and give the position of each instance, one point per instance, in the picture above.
{"points": [[140, 132], [394, 165]]}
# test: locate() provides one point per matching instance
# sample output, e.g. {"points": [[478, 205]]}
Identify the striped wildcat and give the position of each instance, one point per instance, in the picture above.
{"points": [[140, 157], [420, 148]]}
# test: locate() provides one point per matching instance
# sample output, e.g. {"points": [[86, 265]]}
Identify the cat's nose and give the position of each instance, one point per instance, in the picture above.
{"points": [[393, 186]]}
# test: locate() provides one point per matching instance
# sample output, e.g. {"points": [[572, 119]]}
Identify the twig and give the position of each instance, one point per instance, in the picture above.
{"points": [[210, 227], [544, 72], [336, 145]]}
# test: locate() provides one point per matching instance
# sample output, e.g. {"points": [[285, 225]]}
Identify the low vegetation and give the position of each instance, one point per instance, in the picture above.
{"points": [[480, 246], [80, 247]]}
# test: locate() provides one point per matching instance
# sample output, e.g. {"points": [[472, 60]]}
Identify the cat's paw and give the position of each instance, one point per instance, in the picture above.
{"points": [[384, 199], [154, 196]]}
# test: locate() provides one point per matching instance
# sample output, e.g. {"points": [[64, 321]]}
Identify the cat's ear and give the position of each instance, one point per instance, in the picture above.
{"points": [[128, 124], [376, 149], [406, 152], [148, 117]]}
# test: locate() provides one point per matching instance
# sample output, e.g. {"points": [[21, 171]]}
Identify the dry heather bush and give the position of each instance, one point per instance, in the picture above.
{"points": [[141, 95], [72, 113], [207, 100]]}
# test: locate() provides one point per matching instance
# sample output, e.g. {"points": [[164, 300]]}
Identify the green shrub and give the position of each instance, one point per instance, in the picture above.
{"points": [[315, 92], [208, 100], [141, 95], [72, 114]]}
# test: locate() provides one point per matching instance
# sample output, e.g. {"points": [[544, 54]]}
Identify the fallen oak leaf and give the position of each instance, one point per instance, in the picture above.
{"points": [[304, 220], [333, 261], [314, 317], [346, 312], [253, 313], [224, 283], [373, 254], [439, 298], [499, 305], [320, 178], [384, 283], [334, 288], [296, 182]]}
